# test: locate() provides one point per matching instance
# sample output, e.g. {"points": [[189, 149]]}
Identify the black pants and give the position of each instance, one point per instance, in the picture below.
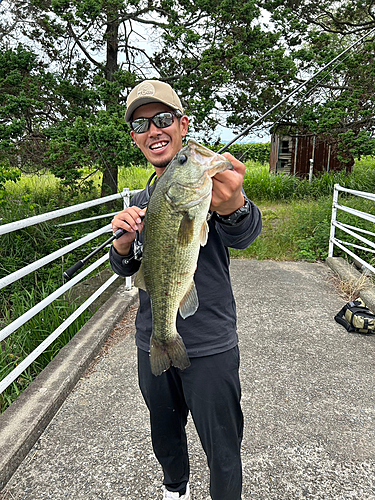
{"points": [[210, 389]]}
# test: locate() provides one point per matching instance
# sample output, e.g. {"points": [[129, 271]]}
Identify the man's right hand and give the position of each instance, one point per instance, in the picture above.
{"points": [[130, 220]]}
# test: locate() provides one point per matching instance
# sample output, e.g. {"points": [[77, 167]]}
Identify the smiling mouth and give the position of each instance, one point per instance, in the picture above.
{"points": [[159, 145]]}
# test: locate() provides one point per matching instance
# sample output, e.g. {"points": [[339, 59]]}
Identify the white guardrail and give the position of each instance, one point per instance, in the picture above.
{"points": [[352, 230], [7, 280]]}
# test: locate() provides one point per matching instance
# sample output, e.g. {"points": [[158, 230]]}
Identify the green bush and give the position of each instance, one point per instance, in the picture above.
{"points": [[261, 185], [256, 152], [7, 174]]}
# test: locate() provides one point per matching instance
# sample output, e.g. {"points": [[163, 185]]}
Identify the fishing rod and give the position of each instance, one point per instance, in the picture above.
{"points": [[72, 270], [68, 274], [137, 250], [297, 89]]}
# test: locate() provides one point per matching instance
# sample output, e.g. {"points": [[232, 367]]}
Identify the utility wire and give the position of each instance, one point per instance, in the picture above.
{"points": [[308, 93], [246, 131]]}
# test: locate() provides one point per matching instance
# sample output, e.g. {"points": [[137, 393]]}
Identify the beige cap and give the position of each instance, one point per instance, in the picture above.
{"points": [[151, 91]]}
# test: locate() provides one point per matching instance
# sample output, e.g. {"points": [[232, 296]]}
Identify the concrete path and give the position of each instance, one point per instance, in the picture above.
{"points": [[308, 401]]}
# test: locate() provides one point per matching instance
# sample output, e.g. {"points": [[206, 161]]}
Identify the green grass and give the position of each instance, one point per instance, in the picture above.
{"points": [[21, 343], [297, 214], [134, 178], [260, 185], [295, 230]]}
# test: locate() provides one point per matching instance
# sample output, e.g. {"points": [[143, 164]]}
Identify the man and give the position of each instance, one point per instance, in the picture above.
{"points": [[210, 387]]}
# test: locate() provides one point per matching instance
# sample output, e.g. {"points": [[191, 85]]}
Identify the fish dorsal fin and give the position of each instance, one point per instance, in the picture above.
{"points": [[189, 304], [203, 237], [139, 281], [186, 230]]}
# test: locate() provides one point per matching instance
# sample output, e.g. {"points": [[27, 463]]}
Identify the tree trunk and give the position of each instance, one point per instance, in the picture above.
{"points": [[110, 174], [109, 181]]}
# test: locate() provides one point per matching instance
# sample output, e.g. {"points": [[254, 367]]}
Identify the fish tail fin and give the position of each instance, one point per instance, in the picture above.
{"points": [[162, 356]]}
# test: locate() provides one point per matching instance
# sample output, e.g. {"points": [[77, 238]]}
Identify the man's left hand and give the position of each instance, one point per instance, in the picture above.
{"points": [[227, 194]]}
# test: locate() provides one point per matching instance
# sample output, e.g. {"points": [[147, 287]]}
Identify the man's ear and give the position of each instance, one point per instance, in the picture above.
{"points": [[184, 125], [133, 137]]}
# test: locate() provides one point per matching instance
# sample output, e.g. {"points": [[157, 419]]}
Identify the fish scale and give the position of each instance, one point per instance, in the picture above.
{"points": [[175, 227]]}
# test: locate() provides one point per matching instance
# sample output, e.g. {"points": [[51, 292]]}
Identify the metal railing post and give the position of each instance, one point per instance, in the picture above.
{"points": [[333, 220], [311, 170], [126, 197]]}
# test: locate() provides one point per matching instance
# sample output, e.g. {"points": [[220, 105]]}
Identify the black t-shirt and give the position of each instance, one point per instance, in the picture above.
{"points": [[212, 329]]}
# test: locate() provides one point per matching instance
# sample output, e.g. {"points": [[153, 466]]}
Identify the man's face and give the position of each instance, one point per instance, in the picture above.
{"points": [[159, 145]]}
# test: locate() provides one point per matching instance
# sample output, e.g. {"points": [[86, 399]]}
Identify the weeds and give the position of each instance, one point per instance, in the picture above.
{"points": [[297, 230], [134, 178], [21, 343], [262, 186], [350, 289]]}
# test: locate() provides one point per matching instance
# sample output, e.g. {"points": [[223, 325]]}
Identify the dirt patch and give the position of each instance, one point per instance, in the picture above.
{"points": [[123, 329]]}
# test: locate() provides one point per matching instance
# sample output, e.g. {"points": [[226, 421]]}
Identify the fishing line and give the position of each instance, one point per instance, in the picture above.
{"points": [[295, 91], [105, 163], [308, 93]]}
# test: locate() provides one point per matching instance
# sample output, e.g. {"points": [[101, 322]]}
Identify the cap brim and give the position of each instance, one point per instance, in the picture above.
{"points": [[141, 102]]}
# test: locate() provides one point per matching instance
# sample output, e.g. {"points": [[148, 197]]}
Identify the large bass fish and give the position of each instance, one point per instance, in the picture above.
{"points": [[175, 228]]}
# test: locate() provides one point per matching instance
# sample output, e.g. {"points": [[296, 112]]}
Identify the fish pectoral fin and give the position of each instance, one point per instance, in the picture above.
{"points": [[189, 304], [186, 230], [203, 236], [139, 281]]}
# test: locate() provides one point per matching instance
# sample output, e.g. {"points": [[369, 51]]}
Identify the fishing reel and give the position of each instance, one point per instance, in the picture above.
{"points": [[137, 249]]}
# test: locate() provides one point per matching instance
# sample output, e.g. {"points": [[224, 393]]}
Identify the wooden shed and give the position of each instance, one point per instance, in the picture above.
{"points": [[301, 153]]}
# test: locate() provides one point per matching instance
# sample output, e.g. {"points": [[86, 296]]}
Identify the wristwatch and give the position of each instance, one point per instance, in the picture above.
{"points": [[235, 217]]}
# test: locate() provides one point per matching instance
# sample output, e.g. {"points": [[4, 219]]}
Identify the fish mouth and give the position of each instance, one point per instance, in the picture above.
{"points": [[198, 148], [210, 158]]}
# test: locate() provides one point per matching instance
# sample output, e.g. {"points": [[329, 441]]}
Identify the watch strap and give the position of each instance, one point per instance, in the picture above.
{"points": [[235, 217]]}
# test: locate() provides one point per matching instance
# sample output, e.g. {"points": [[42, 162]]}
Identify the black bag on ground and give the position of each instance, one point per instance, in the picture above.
{"points": [[356, 317]]}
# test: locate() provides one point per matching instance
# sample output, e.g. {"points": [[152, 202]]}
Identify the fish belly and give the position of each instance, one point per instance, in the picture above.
{"points": [[169, 266]]}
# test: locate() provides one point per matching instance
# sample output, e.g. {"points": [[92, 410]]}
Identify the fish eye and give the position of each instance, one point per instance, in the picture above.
{"points": [[182, 159]]}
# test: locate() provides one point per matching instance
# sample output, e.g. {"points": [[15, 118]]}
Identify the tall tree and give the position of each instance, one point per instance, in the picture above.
{"points": [[341, 106], [27, 107], [228, 68]]}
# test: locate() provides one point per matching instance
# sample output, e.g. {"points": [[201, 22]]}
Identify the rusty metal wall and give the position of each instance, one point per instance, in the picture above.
{"points": [[308, 146], [274, 155]]}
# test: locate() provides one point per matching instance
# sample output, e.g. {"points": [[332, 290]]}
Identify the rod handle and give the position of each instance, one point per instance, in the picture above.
{"points": [[72, 270], [118, 234]]}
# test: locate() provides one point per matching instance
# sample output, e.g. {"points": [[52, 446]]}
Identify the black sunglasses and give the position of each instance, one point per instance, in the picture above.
{"points": [[160, 120]]}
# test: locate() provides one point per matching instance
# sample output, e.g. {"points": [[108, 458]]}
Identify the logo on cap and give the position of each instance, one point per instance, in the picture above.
{"points": [[146, 90]]}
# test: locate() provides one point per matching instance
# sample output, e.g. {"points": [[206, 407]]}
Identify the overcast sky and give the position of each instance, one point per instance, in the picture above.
{"points": [[227, 135]]}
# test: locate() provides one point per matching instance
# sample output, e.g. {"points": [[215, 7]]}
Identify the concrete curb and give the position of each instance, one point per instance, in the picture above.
{"points": [[25, 420], [349, 273]]}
